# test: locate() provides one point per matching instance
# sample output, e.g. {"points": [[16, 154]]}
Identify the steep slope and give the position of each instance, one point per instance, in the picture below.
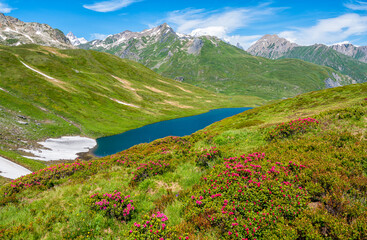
{"points": [[294, 169], [14, 32], [359, 53], [46, 92], [213, 64], [274, 47], [323, 55]]}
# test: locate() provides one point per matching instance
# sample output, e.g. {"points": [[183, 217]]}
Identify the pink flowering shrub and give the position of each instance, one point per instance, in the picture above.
{"points": [[206, 155], [293, 127], [245, 197], [149, 169], [113, 204], [153, 227], [50, 176]]}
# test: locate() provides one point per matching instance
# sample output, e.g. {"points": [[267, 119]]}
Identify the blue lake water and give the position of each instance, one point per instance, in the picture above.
{"points": [[176, 127]]}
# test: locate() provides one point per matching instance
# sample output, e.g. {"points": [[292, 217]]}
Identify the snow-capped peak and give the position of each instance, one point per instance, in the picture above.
{"points": [[74, 40]]}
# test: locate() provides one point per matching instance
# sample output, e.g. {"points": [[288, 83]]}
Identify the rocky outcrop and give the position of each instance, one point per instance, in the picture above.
{"points": [[14, 32], [271, 46], [196, 46], [359, 53], [329, 83]]}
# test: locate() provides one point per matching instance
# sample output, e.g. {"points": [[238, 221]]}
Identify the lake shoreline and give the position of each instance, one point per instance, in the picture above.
{"points": [[217, 115]]}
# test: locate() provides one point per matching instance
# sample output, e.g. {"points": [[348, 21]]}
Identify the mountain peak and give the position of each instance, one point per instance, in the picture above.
{"points": [[74, 40], [271, 46], [30, 33]]}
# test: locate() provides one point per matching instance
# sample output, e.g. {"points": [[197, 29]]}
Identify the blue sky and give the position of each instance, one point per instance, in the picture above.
{"points": [[243, 21]]}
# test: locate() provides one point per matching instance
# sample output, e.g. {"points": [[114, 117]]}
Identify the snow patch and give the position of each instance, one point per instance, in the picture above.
{"points": [[34, 70], [64, 148], [123, 103], [2, 89], [12, 170]]}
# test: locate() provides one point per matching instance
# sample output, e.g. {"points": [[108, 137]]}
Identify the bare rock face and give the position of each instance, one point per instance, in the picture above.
{"points": [[14, 32], [271, 46], [196, 46], [359, 53]]}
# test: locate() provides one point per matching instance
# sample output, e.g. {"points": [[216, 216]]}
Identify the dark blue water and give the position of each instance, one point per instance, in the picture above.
{"points": [[176, 127]]}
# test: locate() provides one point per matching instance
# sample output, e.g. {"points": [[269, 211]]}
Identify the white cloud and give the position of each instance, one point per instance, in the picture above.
{"points": [[109, 6], [221, 23], [98, 36], [330, 30], [4, 8], [357, 5], [244, 41]]}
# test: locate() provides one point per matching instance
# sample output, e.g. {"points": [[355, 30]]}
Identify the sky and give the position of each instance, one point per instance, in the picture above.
{"points": [[236, 21]]}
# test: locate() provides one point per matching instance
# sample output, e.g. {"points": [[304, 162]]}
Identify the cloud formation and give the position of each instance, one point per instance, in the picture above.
{"points": [[98, 36], [4, 8], [221, 23], [329, 31], [357, 5], [109, 6]]}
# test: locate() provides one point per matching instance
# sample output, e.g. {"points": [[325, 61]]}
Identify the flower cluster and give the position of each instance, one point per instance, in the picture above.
{"points": [[293, 127], [247, 196], [206, 155], [48, 177], [113, 204], [149, 169], [153, 227]]}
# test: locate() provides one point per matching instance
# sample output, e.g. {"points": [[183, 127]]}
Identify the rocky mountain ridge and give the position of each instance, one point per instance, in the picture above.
{"points": [[133, 45], [14, 32], [345, 58], [271, 46], [359, 53]]}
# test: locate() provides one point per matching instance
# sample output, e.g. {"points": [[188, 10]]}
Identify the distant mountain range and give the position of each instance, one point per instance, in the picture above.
{"points": [[14, 32], [204, 61], [213, 64], [346, 58]]}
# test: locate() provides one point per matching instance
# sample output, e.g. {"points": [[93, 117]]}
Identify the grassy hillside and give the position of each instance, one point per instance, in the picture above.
{"points": [[294, 169], [224, 68], [79, 92], [323, 55], [210, 63]]}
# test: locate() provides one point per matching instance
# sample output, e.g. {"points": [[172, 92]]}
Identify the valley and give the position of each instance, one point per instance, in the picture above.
{"points": [[177, 132]]}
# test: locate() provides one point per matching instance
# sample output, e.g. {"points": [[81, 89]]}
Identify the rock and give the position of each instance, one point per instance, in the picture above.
{"points": [[180, 79], [22, 117], [329, 83], [195, 47]]}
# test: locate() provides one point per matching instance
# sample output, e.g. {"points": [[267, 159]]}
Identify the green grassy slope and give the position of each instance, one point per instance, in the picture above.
{"points": [[323, 55], [219, 66], [85, 94], [230, 70], [310, 183]]}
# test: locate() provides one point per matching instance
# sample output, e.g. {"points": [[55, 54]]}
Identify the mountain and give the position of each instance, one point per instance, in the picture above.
{"points": [[359, 53], [274, 47], [74, 40], [271, 46], [47, 92], [210, 63], [14, 32], [293, 169]]}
